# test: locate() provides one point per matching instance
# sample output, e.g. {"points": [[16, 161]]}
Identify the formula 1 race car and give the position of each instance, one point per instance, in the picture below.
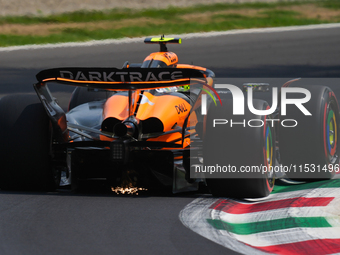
{"points": [[151, 124]]}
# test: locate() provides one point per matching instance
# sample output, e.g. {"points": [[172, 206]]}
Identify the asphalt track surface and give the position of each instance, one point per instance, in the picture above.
{"points": [[101, 223]]}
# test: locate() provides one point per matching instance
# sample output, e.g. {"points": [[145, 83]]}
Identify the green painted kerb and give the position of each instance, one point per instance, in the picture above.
{"points": [[283, 187], [271, 225]]}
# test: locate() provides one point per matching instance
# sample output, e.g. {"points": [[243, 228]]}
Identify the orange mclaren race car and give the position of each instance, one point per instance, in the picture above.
{"points": [[157, 123]]}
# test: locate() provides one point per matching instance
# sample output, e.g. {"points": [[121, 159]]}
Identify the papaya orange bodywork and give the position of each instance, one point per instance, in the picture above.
{"points": [[117, 107], [154, 107], [169, 58]]}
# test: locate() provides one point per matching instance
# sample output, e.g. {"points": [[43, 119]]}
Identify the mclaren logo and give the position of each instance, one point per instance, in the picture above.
{"points": [[121, 76]]}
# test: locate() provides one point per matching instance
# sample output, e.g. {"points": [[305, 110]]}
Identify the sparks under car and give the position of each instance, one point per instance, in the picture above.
{"points": [[143, 123]]}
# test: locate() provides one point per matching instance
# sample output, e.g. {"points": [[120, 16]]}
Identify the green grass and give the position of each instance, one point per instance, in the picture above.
{"points": [[76, 34], [175, 23], [331, 4], [120, 14]]}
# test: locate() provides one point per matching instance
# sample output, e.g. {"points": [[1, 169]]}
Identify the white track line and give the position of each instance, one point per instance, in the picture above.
{"points": [[184, 36]]}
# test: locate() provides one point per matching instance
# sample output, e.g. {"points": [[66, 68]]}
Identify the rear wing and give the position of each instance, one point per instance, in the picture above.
{"points": [[129, 79], [121, 79]]}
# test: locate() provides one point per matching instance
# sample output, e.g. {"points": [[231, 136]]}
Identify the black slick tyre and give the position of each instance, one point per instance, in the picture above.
{"points": [[25, 142], [311, 148], [242, 147]]}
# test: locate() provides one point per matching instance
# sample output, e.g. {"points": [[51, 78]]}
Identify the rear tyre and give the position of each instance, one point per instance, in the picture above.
{"points": [[240, 146], [25, 143], [82, 95], [312, 147]]}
